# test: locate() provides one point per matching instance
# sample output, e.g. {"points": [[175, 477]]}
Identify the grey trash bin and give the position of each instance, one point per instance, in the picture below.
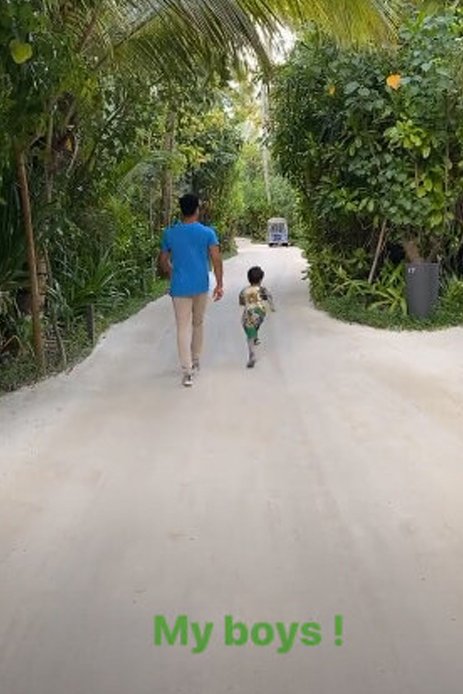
{"points": [[422, 288]]}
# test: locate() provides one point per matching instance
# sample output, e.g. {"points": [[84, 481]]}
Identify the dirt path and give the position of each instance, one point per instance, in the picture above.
{"points": [[327, 481]]}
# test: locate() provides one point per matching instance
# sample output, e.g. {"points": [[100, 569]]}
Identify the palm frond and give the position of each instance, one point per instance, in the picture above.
{"points": [[174, 35]]}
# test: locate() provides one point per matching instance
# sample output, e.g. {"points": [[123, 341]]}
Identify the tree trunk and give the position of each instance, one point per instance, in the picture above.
{"points": [[167, 180], [89, 29], [155, 221], [379, 249], [412, 252], [265, 151], [167, 175], [45, 270], [42, 263], [42, 278], [54, 320], [31, 260]]}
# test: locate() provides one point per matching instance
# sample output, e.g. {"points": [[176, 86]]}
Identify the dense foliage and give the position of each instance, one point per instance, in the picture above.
{"points": [[253, 201], [109, 109], [109, 138], [373, 141]]}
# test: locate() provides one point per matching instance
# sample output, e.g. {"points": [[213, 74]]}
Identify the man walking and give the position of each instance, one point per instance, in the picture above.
{"points": [[186, 250]]}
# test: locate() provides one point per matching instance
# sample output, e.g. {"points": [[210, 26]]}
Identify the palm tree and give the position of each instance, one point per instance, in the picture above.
{"points": [[185, 30]]}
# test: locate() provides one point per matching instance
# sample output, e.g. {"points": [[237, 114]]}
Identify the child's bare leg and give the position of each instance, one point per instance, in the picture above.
{"points": [[252, 352]]}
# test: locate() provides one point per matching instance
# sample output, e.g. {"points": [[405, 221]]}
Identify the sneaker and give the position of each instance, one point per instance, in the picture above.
{"points": [[196, 368], [251, 363], [187, 380]]}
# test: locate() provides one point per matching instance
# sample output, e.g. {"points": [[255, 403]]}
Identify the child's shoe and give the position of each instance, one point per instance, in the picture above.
{"points": [[187, 380]]}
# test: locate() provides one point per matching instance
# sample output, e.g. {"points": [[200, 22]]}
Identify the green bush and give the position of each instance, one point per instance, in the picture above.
{"points": [[452, 296], [334, 273], [248, 208], [383, 304], [371, 137]]}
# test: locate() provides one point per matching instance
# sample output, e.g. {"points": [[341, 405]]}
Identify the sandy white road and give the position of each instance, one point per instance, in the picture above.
{"points": [[327, 481]]}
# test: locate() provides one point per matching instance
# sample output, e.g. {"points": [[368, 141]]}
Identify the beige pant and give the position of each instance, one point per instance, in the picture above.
{"points": [[189, 315]]}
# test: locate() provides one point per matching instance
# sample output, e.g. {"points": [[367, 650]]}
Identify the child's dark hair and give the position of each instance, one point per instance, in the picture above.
{"points": [[255, 275]]}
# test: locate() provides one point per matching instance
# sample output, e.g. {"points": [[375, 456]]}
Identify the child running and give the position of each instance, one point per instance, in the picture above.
{"points": [[256, 300]]}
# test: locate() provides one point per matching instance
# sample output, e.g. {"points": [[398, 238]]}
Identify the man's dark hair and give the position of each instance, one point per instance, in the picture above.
{"points": [[189, 204], [255, 275]]}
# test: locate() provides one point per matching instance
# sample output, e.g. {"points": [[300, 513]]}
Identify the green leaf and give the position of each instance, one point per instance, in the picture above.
{"points": [[351, 87], [436, 219], [20, 52]]}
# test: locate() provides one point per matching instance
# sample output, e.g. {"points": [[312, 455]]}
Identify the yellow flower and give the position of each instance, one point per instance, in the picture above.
{"points": [[394, 81], [331, 90]]}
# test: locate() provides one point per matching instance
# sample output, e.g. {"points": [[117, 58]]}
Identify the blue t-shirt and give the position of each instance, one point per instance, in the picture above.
{"points": [[189, 251]]}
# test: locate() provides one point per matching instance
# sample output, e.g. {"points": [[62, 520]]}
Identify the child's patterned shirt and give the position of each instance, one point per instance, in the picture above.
{"points": [[256, 301]]}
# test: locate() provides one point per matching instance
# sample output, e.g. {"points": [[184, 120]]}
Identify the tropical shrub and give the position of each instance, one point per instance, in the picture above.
{"points": [[452, 295], [250, 205], [372, 135], [373, 140]]}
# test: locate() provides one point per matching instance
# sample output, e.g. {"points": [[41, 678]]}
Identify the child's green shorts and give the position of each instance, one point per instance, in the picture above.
{"points": [[252, 320]]}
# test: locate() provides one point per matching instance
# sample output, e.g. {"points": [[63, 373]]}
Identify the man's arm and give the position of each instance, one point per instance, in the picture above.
{"points": [[164, 262], [217, 266]]}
